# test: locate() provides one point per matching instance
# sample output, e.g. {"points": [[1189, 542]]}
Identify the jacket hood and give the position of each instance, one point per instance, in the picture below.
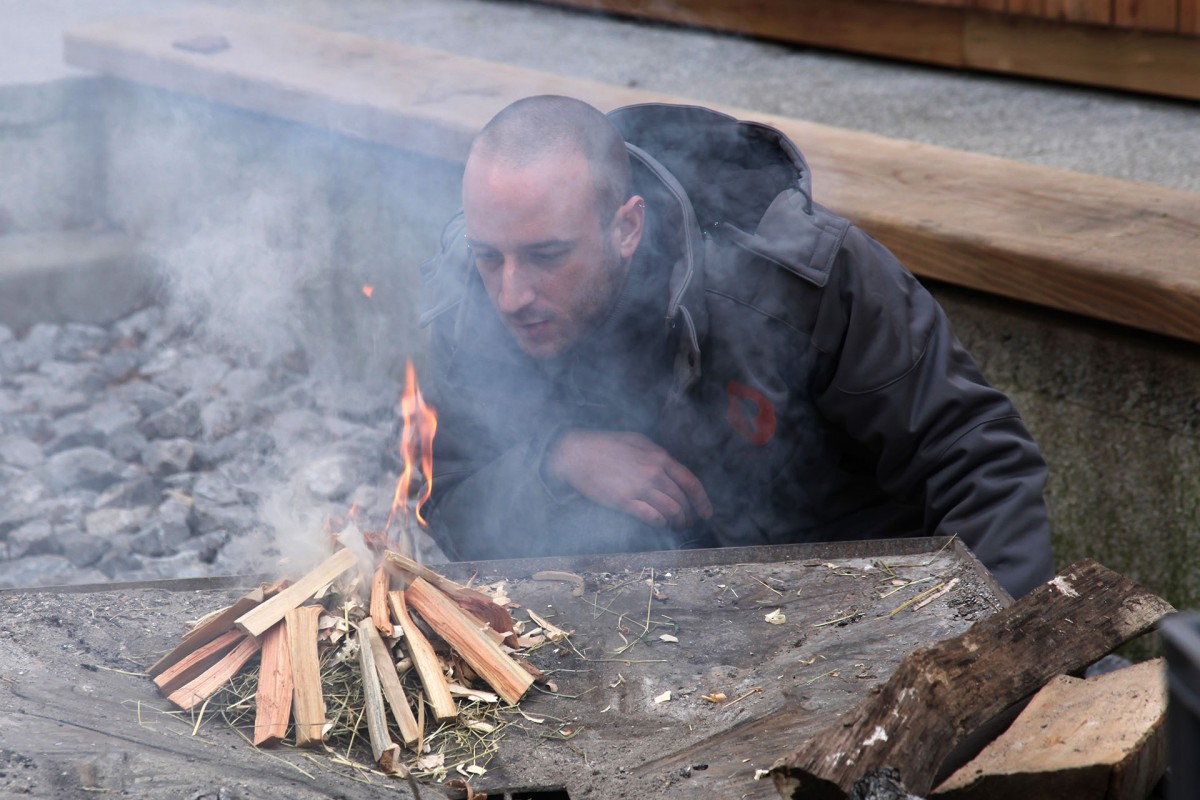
{"points": [[746, 182]]}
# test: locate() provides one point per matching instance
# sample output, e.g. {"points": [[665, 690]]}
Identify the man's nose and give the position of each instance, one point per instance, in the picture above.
{"points": [[516, 288]]}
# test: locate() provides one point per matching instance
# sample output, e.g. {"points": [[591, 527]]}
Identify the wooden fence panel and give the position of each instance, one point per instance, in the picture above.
{"points": [[1189, 17], [1146, 15]]}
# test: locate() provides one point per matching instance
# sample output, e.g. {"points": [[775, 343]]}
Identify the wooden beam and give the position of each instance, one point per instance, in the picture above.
{"points": [[273, 700], [258, 620], [308, 698], [941, 694], [1104, 248], [380, 587], [1102, 737]]}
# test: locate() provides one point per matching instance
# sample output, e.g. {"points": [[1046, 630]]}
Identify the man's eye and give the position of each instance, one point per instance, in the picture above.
{"points": [[549, 258], [486, 260]]}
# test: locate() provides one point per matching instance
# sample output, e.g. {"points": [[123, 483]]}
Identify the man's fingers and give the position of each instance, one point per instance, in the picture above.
{"points": [[697, 498], [647, 513]]}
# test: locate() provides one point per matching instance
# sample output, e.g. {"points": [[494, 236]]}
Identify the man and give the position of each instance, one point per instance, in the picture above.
{"points": [[646, 335]]}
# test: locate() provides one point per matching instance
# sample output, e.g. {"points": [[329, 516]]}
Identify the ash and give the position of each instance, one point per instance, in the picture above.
{"points": [[136, 451]]}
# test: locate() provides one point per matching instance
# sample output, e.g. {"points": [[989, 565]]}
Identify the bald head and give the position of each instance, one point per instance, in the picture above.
{"points": [[551, 126]]}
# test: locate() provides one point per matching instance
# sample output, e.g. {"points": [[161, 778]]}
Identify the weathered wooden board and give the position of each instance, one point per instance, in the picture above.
{"points": [[71, 719], [942, 32], [1110, 249]]}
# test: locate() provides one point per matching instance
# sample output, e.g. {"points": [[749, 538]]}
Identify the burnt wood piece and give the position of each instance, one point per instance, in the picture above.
{"points": [[308, 699], [1097, 739], [484, 656], [940, 694], [273, 700]]}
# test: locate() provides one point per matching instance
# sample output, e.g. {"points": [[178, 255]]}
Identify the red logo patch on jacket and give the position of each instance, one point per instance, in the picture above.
{"points": [[750, 413]]}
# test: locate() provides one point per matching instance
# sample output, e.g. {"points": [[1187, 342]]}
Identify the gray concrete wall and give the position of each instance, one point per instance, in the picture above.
{"points": [[265, 232]]}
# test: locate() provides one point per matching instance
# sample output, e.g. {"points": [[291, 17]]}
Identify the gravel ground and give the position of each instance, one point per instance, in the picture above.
{"points": [[136, 451]]}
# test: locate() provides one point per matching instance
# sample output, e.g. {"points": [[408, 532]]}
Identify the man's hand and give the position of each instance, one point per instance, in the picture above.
{"points": [[630, 473]]}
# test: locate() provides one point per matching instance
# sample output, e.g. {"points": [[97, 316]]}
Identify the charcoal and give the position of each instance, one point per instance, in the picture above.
{"points": [[139, 491], [35, 538], [108, 522], [82, 549]]}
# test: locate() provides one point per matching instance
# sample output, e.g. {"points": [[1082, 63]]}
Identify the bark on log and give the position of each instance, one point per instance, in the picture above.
{"points": [[273, 700], [308, 699], [492, 664], [1097, 739], [939, 695]]}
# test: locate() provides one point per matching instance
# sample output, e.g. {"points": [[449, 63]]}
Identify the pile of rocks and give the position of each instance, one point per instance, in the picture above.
{"points": [[134, 451]]}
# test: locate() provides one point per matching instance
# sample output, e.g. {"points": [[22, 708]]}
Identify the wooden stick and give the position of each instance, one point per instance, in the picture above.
{"points": [[424, 661], [206, 685], [471, 600], [939, 695], [196, 663], [379, 601], [256, 621], [308, 701], [384, 750], [208, 629], [500, 672], [393, 691], [273, 700]]}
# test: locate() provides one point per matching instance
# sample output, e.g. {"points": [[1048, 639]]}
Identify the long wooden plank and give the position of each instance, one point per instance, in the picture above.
{"points": [[308, 698], [209, 629], [273, 700], [1110, 249], [206, 685], [1189, 17], [1147, 15]]}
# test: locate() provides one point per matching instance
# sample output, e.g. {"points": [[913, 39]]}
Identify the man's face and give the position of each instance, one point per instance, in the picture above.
{"points": [[550, 265]]}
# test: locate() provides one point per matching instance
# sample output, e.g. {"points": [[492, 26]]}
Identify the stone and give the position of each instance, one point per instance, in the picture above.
{"points": [[46, 570], [222, 417], [298, 425], [81, 468], [20, 451], [179, 421], [6, 335], [41, 393], [215, 488], [139, 323], [82, 549], [108, 522], [159, 537], [360, 401], [83, 377], [109, 416], [146, 397], [74, 431], [232, 519], [245, 443], [138, 491], [38, 346], [35, 538], [245, 382], [77, 340], [208, 546], [168, 456], [127, 444], [119, 366], [196, 375]]}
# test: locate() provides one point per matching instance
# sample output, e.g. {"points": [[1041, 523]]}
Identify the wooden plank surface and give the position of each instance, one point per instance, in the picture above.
{"points": [[1105, 248], [1189, 17], [1147, 15]]}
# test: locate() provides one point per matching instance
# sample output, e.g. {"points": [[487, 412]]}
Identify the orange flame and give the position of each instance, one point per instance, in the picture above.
{"points": [[416, 448], [368, 290]]}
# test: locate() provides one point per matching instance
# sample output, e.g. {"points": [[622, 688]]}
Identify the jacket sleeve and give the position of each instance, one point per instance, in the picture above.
{"points": [[896, 381]]}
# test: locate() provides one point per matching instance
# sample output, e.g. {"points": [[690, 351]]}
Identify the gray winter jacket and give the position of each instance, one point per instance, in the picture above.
{"points": [[770, 346]]}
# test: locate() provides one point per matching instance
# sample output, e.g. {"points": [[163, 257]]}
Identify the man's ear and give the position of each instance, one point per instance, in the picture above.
{"points": [[628, 224]]}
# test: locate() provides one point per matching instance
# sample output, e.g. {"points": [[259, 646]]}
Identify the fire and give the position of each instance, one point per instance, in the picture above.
{"points": [[416, 448], [368, 290]]}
